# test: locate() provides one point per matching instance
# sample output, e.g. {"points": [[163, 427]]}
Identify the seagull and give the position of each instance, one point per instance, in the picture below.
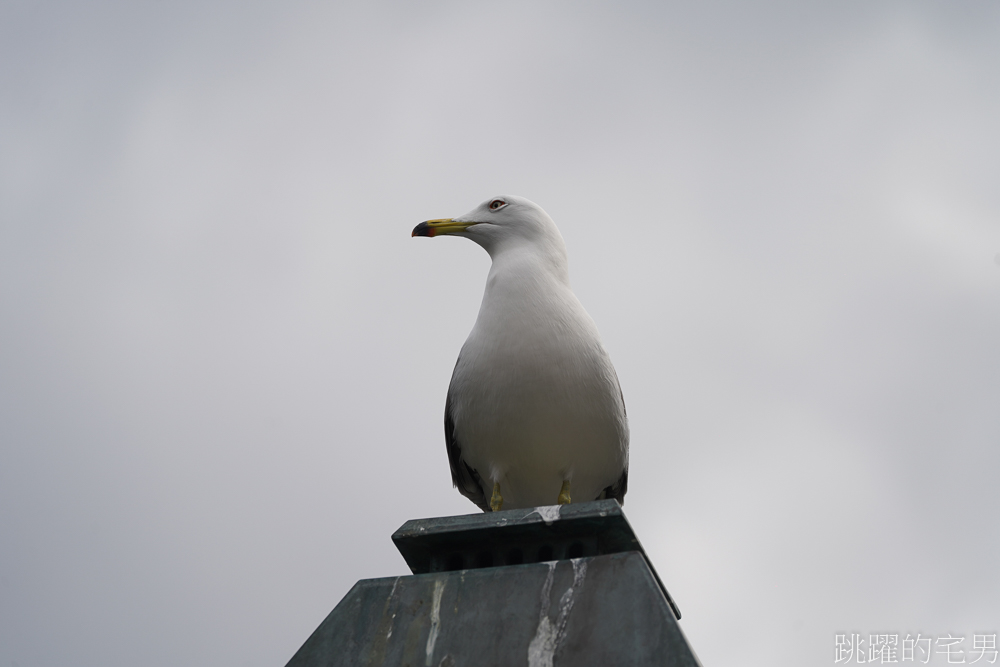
{"points": [[534, 412]]}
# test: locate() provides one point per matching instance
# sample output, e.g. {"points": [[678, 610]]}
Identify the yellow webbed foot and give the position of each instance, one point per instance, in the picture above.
{"points": [[496, 502], [564, 498]]}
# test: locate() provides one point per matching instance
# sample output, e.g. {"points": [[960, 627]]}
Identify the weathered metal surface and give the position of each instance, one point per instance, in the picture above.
{"points": [[599, 610], [513, 537]]}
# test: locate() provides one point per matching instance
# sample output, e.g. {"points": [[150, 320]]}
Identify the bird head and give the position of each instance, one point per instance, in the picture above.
{"points": [[500, 223]]}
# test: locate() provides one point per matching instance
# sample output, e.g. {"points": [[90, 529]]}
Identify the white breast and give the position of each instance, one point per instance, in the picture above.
{"points": [[534, 397]]}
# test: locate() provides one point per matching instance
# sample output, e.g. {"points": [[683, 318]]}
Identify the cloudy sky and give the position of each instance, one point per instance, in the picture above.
{"points": [[223, 359]]}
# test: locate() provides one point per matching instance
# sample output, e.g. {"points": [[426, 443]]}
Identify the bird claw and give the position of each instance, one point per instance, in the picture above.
{"points": [[564, 498], [496, 502]]}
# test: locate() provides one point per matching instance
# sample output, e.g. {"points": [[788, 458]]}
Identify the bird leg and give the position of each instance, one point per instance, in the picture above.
{"points": [[496, 502], [564, 498]]}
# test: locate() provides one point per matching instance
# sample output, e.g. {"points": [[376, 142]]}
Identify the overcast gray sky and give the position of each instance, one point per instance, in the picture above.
{"points": [[223, 360]]}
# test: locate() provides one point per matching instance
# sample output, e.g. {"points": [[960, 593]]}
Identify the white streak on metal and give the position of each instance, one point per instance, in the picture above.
{"points": [[543, 646], [435, 620], [549, 513], [566, 601], [391, 593]]}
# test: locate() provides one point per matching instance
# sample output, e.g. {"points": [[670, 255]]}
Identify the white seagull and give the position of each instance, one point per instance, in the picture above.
{"points": [[534, 408]]}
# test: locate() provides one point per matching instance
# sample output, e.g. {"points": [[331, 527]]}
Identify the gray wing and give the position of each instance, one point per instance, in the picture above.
{"points": [[465, 478], [619, 488], [616, 490]]}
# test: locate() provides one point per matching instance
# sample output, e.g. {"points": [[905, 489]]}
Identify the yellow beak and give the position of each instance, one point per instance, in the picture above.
{"points": [[440, 226]]}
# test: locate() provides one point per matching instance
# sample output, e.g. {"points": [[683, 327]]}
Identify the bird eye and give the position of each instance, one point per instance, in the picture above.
{"points": [[497, 203]]}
